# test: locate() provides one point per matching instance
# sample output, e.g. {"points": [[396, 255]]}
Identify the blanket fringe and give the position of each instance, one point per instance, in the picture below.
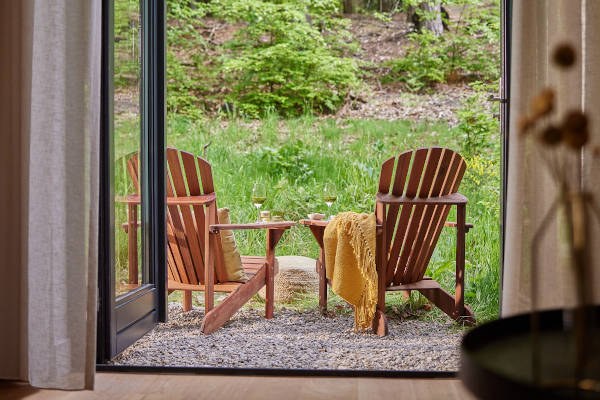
{"points": [[365, 310]]}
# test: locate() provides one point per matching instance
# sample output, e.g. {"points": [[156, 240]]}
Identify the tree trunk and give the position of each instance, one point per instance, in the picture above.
{"points": [[428, 15], [350, 6], [388, 5]]}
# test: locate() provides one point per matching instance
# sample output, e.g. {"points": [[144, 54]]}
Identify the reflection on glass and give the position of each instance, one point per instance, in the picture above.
{"points": [[127, 66]]}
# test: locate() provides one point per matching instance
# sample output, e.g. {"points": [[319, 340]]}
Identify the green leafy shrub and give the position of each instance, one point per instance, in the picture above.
{"points": [[468, 51], [127, 42], [187, 76], [283, 58], [479, 128], [289, 160]]}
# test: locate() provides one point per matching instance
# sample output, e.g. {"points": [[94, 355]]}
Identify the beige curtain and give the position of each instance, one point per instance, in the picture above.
{"points": [[53, 271], [537, 27]]}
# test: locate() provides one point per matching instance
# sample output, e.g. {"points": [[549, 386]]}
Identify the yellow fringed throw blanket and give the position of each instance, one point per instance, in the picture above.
{"points": [[350, 263]]}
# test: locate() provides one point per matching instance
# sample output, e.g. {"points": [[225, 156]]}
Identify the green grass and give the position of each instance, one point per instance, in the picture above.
{"points": [[295, 157]]}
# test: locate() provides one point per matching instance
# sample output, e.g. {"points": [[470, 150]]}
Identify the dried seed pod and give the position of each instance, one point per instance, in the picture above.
{"points": [[564, 55], [525, 124], [543, 103], [576, 140], [551, 136], [575, 129]]}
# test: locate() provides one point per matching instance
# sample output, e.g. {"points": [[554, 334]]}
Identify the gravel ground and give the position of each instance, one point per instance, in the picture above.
{"points": [[295, 340]]}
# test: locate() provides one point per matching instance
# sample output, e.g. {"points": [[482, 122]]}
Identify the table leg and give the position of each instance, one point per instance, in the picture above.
{"points": [[132, 243], [322, 282]]}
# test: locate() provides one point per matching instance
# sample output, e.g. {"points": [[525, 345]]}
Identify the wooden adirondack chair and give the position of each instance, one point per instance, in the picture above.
{"points": [[415, 194], [194, 252]]}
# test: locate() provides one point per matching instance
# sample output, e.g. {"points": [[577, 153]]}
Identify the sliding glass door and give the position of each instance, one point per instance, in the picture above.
{"points": [[132, 278]]}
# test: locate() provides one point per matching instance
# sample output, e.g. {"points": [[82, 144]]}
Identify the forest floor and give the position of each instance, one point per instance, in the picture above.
{"points": [[379, 41]]}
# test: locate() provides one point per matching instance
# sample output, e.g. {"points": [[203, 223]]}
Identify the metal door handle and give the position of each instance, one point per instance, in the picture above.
{"points": [[498, 99]]}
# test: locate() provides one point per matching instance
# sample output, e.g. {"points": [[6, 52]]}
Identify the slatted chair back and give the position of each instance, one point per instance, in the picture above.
{"points": [[412, 230], [187, 225]]}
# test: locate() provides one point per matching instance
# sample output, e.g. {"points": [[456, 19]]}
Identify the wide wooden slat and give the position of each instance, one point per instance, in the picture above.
{"points": [[416, 224], [428, 226], [439, 216], [205, 175], [215, 318], [175, 219], [177, 259], [405, 233], [416, 172], [414, 179], [171, 273], [190, 230], [397, 190], [133, 169], [422, 284], [433, 162], [385, 176], [219, 287], [206, 180], [443, 211], [193, 183]]}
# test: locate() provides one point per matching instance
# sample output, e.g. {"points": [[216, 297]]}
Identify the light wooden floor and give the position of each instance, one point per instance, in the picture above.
{"points": [[173, 387]]}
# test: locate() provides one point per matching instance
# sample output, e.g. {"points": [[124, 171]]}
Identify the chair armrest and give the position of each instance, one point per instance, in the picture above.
{"points": [[258, 225], [130, 199], [192, 200], [323, 223], [175, 201], [450, 199], [452, 224], [125, 225]]}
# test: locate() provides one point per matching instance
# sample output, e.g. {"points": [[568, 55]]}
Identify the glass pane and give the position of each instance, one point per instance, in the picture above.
{"points": [[127, 145]]}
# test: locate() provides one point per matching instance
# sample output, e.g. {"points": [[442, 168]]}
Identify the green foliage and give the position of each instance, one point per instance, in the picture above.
{"points": [[468, 51], [127, 42], [284, 58], [479, 128], [186, 72], [290, 159]]}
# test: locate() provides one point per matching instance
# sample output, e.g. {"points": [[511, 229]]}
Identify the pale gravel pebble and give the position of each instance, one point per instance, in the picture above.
{"points": [[295, 340]]}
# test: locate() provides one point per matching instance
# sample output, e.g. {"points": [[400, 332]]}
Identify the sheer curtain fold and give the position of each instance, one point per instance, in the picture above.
{"points": [[60, 47], [537, 27]]}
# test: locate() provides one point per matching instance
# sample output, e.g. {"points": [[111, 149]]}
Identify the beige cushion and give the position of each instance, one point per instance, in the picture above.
{"points": [[231, 255]]}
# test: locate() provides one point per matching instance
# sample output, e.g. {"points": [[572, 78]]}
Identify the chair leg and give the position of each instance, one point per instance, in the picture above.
{"points": [[445, 301], [459, 293], [269, 292], [187, 300], [379, 324], [322, 283]]}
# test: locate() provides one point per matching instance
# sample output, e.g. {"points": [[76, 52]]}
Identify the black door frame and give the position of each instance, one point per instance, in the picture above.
{"points": [[506, 41], [155, 184], [122, 321]]}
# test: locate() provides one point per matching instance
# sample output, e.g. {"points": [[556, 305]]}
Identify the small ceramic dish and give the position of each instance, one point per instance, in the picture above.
{"points": [[316, 216]]}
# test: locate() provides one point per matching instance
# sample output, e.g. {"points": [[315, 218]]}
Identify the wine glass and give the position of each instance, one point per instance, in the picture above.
{"points": [[258, 197], [329, 196]]}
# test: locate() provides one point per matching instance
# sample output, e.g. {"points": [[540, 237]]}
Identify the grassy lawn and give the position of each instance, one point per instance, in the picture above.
{"points": [[295, 157]]}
